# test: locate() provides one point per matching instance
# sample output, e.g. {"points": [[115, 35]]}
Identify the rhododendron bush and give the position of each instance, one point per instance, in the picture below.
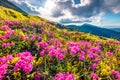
{"points": [[40, 51]]}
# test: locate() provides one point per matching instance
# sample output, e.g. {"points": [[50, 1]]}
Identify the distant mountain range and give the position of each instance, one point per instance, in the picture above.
{"points": [[115, 29], [103, 32]]}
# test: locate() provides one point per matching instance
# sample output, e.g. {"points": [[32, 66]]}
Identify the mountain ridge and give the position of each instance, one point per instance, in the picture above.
{"points": [[115, 29], [88, 28]]}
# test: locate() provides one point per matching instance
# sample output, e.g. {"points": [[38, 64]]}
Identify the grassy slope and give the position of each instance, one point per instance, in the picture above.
{"points": [[8, 4], [10, 14], [50, 31]]}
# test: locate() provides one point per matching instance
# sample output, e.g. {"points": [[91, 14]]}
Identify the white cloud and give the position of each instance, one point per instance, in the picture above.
{"points": [[82, 3], [90, 11]]}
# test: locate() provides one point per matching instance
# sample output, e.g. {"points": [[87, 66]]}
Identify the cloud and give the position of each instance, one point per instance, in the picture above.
{"points": [[29, 6], [67, 11], [112, 6]]}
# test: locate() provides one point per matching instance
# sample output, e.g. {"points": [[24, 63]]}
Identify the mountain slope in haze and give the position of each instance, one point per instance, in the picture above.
{"points": [[115, 29], [87, 28], [8, 4]]}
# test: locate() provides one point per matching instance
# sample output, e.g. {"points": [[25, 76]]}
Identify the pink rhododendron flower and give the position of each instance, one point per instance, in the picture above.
{"points": [[24, 37], [37, 76], [5, 27], [65, 76], [59, 53], [9, 57], [4, 45], [94, 75], [3, 67], [25, 62], [81, 57], [116, 74], [39, 38], [24, 29], [42, 53], [109, 53], [33, 37], [96, 60], [42, 44], [93, 66]]}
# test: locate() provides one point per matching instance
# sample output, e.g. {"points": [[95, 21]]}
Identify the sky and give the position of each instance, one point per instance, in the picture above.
{"points": [[104, 13]]}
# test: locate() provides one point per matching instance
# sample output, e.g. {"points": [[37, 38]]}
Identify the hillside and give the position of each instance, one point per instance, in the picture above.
{"points": [[87, 28], [115, 29], [8, 4], [32, 48]]}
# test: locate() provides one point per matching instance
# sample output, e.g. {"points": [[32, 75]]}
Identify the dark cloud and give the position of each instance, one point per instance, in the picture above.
{"points": [[111, 6], [28, 8], [93, 8], [86, 9]]}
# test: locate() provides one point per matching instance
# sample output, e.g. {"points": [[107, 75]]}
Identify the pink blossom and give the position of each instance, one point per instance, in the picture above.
{"points": [[93, 66], [96, 60], [116, 74], [39, 38], [26, 56], [7, 35], [9, 57], [33, 37], [2, 60], [5, 27], [66, 76], [81, 57], [94, 75], [37, 76], [26, 38], [25, 62], [109, 53], [72, 51], [42, 53], [3, 69], [118, 42], [24, 29], [42, 44], [90, 56], [5, 45]]}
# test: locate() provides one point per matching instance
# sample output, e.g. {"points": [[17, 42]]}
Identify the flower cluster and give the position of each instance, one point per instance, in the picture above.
{"points": [[94, 76], [64, 76], [52, 50], [85, 50], [25, 62], [5, 28], [56, 52], [116, 74], [24, 37], [109, 53], [73, 47], [55, 42], [4, 65], [7, 35], [11, 22], [33, 37], [5, 45], [85, 55], [24, 29]]}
